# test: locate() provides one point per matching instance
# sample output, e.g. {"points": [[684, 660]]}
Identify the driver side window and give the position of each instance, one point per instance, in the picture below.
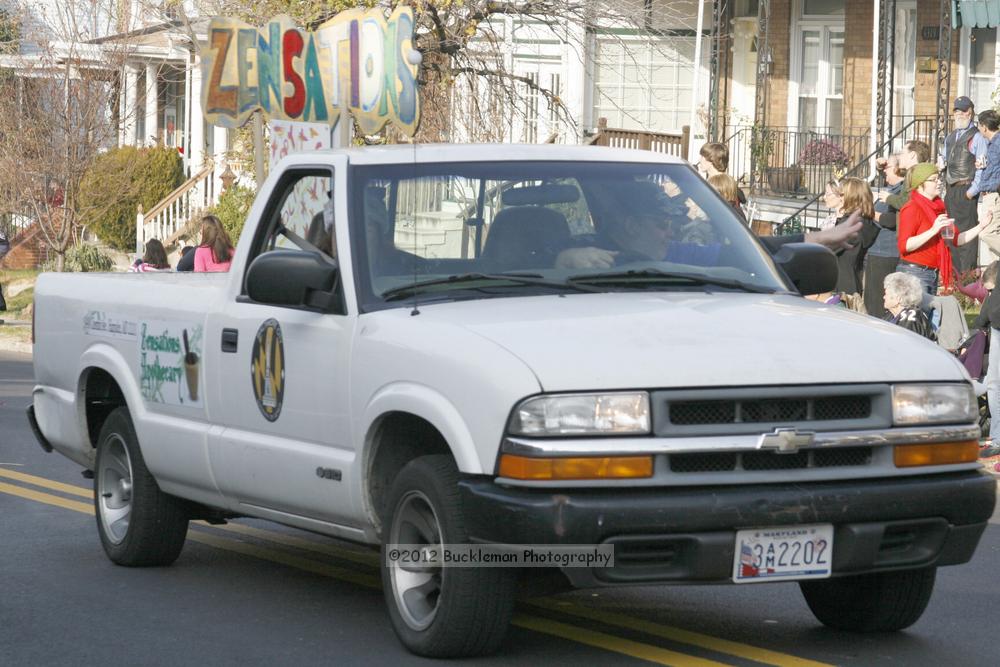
{"points": [[304, 213]]}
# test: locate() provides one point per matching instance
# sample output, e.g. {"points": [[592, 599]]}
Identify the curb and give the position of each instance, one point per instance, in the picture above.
{"points": [[9, 345]]}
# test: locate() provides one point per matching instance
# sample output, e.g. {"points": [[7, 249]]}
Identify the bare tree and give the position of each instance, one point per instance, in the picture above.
{"points": [[58, 110]]}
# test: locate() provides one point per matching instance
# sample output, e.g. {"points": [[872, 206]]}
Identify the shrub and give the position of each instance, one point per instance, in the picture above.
{"points": [[232, 209], [823, 151], [118, 182], [85, 258]]}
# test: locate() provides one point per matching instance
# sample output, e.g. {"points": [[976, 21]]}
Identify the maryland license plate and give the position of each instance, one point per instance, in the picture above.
{"points": [[783, 553]]}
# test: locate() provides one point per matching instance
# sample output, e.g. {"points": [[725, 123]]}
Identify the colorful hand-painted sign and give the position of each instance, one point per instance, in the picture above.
{"points": [[358, 61]]}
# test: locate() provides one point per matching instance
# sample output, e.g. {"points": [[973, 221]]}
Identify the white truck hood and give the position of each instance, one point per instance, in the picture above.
{"points": [[641, 340]]}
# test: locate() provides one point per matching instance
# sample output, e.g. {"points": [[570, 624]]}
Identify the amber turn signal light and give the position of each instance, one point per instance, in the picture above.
{"points": [[908, 456], [606, 467]]}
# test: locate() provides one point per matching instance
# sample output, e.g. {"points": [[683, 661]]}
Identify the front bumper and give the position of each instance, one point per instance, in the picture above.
{"points": [[688, 534]]}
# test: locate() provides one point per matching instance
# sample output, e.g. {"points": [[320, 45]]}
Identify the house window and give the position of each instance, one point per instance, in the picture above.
{"points": [[821, 79], [645, 83], [982, 66]]}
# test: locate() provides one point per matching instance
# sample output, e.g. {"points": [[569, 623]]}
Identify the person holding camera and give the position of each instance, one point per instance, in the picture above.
{"points": [[925, 233]]}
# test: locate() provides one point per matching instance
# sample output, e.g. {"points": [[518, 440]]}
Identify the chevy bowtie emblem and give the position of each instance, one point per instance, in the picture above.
{"points": [[786, 440]]}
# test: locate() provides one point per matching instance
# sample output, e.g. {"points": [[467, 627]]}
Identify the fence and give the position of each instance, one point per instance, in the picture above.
{"points": [[659, 142]]}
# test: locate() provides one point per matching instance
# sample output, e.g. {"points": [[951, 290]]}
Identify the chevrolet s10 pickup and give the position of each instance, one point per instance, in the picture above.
{"points": [[518, 345]]}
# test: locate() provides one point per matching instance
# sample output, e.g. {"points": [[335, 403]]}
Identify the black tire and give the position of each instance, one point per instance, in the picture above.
{"points": [[880, 602], [139, 525], [472, 607]]}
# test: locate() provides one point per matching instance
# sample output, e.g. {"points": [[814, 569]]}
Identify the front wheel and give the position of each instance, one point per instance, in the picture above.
{"points": [[139, 525], [440, 612], [879, 602]]}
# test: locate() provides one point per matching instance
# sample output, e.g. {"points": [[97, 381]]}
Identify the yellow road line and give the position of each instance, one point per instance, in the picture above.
{"points": [[716, 644], [47, 498], [47, 483], [709, 642], [542, 625], [611, 643]]}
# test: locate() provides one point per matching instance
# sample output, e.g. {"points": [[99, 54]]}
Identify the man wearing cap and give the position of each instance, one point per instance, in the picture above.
{"points": [[961, 156]]}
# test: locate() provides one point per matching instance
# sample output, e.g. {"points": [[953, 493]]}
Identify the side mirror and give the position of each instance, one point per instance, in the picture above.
{"points": [[812, 268], [293, 278]]}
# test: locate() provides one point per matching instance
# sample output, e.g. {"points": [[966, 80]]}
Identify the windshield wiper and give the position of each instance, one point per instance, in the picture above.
{"points": [[654, 276], [461, 280]]}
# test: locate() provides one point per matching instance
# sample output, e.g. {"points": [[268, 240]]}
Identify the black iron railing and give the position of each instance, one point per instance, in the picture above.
{"points": [[921, 128]]}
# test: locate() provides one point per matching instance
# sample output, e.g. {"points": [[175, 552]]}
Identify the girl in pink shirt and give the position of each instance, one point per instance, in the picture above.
{"points": [[215, 253]]}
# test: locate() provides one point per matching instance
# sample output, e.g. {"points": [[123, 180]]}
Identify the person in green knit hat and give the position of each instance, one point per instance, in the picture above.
{"points": [[925, 231]]}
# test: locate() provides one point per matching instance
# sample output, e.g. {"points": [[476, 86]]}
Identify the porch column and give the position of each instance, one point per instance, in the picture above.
{"points": [[129, 96], [196, 127], [152, 105], [577, 89]]}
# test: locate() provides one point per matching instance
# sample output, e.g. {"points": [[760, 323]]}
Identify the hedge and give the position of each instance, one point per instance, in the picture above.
{"points": [[118, 182]]}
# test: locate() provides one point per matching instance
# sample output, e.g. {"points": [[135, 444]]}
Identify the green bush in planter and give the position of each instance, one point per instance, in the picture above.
{"points": [[232, 209], [83, 257]]}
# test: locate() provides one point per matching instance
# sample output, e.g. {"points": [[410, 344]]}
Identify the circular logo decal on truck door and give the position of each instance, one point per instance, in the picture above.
{"points": [[267, 369]]}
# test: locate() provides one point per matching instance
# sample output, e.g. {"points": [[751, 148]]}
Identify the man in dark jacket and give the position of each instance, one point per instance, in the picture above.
{"points": [[961, 155]]}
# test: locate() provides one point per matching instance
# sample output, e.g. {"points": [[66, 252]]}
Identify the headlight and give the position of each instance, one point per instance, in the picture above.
{"points": [[933, 404], [582, 414]]}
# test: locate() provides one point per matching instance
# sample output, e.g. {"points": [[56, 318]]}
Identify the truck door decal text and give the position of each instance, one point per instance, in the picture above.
{"points": [[267, 369]]}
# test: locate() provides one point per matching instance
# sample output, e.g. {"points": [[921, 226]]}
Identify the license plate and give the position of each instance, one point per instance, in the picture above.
{"points": [[782, 553]]}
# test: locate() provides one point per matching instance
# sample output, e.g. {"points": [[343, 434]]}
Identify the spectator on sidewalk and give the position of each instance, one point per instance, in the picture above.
{"points": [[903, 293], [215, 252], [726, 186], [989, 183], [186, 262], [155, 259], [923, 228], [883, 255], [713, 159], [963, 152], [989, 320]]}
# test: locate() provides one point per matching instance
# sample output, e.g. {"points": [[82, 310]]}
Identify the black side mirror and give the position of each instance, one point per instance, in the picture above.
{"points": [[812, 268], [294, 278]]}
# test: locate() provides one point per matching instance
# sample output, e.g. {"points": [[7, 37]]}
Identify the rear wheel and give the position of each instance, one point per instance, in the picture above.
{"points": [[879, 602], [138, 524], [441, 612]]}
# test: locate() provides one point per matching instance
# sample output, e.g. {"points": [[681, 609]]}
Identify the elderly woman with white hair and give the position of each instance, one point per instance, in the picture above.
{"points": [[903, 293]]}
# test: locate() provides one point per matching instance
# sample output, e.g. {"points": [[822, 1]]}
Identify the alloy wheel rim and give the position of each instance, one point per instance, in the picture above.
{"points": [[114, 490], [416, 588]]}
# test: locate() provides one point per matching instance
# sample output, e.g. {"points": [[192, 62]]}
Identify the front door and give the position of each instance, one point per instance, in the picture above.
{"points": [[282, 387]]}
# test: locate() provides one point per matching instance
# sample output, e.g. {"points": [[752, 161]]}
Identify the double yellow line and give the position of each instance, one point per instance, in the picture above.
{"points": [[368, 561]]}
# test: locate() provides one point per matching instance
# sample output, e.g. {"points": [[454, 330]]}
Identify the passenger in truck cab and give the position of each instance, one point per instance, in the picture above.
{"points": [[215, 252]]}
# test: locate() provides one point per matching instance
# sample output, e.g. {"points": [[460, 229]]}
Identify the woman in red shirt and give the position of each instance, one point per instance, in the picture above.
{"points": [[924, 228]]}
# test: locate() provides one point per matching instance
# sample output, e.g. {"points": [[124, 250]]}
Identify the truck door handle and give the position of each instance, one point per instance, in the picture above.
{"points": [[230, 338]]}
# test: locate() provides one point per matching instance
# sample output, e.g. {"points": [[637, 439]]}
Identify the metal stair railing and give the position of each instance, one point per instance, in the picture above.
{"points": [[793, 223]]}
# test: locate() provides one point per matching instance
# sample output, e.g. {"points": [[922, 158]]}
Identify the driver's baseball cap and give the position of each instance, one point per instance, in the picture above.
{"points": [[962, 103]]}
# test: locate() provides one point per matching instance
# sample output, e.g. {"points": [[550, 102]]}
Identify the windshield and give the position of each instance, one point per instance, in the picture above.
{"points": [[485, 230]]}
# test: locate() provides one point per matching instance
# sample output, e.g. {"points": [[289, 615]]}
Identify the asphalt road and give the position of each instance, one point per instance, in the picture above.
{"points": [[253, 593]]}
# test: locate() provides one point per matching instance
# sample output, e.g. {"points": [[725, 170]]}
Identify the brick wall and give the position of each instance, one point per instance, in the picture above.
{"points": [[27, 251], [859, 17], [779, 41], [925, 96]]}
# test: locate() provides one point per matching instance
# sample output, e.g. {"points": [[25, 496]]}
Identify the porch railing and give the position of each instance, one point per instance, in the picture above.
{"points": [[168, 218], [920, 128], [660, 142]]}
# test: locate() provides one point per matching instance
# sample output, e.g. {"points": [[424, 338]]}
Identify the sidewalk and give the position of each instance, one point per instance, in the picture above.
{"points": [[15, 335]]}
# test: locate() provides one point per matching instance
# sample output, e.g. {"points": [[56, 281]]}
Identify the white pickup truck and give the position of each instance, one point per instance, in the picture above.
{"points": [[545, 345]]}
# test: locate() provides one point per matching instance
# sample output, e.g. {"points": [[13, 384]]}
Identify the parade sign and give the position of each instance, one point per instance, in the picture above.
{"points": [[358, 60]]}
